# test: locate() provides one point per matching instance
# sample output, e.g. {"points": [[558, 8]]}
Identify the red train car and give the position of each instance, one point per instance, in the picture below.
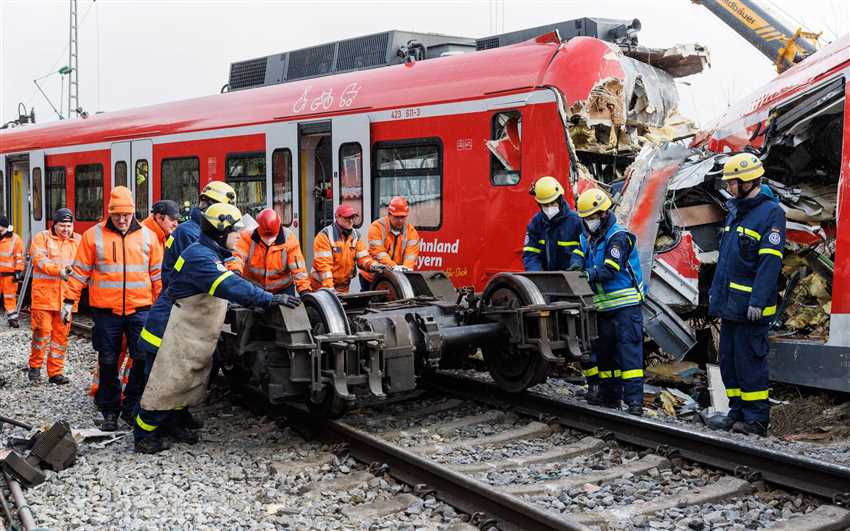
{"points": [[420, 130]]}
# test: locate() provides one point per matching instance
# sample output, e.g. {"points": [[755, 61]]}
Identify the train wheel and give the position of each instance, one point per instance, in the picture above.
{"points": [[396, 284], [326, 316], [514, 370]]}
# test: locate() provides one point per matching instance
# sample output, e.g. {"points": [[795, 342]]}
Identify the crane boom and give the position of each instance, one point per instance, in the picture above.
{"points": [[772, 38]]}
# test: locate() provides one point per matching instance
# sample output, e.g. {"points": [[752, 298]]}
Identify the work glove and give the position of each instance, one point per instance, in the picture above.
{"points": [[65, 273], [66, 311], [19, 275], [282, 299], [575, 267], [400, 268], [377, 267], [754, 313]]}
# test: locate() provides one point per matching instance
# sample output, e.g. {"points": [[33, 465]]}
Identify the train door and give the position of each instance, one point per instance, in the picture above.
{"points": [[120, 164], [18, 183], [4, 171], [140, 156], [36, 220], [351, 165], [315, 182], [282, 159]]}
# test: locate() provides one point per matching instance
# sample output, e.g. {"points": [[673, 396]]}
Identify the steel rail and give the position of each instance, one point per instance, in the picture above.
{"points": [[24, 512], [469, 495], [744, 459]]}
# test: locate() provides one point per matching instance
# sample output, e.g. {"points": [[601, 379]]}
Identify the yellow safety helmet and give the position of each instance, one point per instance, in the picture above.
{"points": [[743, 166], [592, 201], [546, 190], [224, 217], [219, 191]]}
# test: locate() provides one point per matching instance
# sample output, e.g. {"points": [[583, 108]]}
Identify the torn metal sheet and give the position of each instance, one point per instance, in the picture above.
{"points": [[690, 175], [680, 60]]}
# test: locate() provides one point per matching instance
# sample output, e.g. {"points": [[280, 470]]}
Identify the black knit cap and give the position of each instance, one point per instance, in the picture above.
{"points": [[167, 207], [63, 215]]}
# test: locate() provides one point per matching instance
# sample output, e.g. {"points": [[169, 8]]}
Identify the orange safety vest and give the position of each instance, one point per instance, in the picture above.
{"points": [[11, 253], [273, 267], [123, 272], [392, 249], [334, 259], [51, 253], [154, 227]]}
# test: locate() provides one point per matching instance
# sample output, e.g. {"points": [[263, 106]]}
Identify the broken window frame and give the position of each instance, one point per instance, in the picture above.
{"points": [[498, 169]]}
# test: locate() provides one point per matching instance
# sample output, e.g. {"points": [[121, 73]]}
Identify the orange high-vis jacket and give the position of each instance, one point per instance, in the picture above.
{"points": [[51, 253], [11, 253], [334, 259], [154, 227], [392, 249], [123, 272], [273, 267]]}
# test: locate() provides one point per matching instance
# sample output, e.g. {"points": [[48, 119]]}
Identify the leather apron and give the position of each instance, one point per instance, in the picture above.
{"points": [[182, 366]]}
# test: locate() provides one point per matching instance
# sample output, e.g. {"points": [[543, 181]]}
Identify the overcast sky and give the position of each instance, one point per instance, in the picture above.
{"points": [[134, 53]]}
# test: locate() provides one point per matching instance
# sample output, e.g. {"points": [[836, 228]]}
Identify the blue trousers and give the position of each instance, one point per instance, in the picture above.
{"points": [[107, 334], [619, 353], [743, 366]]}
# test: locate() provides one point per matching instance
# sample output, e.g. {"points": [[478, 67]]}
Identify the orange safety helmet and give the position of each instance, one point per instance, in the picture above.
{"points": [[398, 206], [268, 223]]}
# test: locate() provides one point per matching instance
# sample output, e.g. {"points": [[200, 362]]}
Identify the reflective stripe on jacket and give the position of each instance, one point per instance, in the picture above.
{"points": [[199, 269], [335, 259], [11, 253], [750, 259], [50, 255], [613, 267], [122, 271], [552, 244], [392, 249], [273, 267]]}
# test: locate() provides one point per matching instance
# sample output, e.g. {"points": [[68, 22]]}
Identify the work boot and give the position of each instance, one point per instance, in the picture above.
{"points": [[191, 422], [58, 379], [34, 374], [14, 323], [636, 408], [750, 428], [181, 434], [110, 422], [128, 417], [592, 395], [612, 404], [151, 445], [720, 422]]}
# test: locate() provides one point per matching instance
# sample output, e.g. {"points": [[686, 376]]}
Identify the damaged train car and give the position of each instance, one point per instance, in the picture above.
{"points": [[673, 199]]}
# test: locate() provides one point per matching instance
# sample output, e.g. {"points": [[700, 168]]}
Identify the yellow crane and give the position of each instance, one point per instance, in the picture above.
{"points": [[761, 29]]}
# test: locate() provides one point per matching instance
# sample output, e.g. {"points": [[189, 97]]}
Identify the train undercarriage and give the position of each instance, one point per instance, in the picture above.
{"points": [[335, 349]]}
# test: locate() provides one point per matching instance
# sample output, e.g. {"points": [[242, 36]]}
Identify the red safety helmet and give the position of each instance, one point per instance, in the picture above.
{"points": [[398, 206], [268, 223], [345, 211]]}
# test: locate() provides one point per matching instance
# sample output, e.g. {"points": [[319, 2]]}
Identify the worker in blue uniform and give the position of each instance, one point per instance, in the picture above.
{"points": [[188, 233], [190, 314], [613, 271], [552, 244], [743, 294]]}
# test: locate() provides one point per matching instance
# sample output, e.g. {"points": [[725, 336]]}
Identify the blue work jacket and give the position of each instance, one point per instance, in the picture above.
{"points": [[183, 236], [613, 266], [550, 244], [199, 269], [750, 260]]}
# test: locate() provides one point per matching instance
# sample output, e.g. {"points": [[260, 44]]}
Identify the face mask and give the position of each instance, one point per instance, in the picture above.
{"points": [[593, 224], [269, 241], [551, 211]]}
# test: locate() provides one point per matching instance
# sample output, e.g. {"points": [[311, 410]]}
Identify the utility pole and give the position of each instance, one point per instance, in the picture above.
{"points": [[73, 63]]}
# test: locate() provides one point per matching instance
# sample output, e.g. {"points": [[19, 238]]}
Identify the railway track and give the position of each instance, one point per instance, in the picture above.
{"points": [[539, 458]]}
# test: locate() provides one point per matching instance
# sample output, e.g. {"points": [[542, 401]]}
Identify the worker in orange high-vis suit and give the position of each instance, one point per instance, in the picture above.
{"points": [[392, 240], [120, 261], [338, 251], [52, 253], [271, 256], [11, 269]]}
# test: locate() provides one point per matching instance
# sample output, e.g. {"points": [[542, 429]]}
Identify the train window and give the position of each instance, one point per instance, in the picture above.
{"points": [[180, 180], [54, 189], [37, 204], [142, 181], [88, 192], [2, 190], [505, 148], [282, 184], [246, 173], [412, 169], [120, 173], [351, 177]]}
